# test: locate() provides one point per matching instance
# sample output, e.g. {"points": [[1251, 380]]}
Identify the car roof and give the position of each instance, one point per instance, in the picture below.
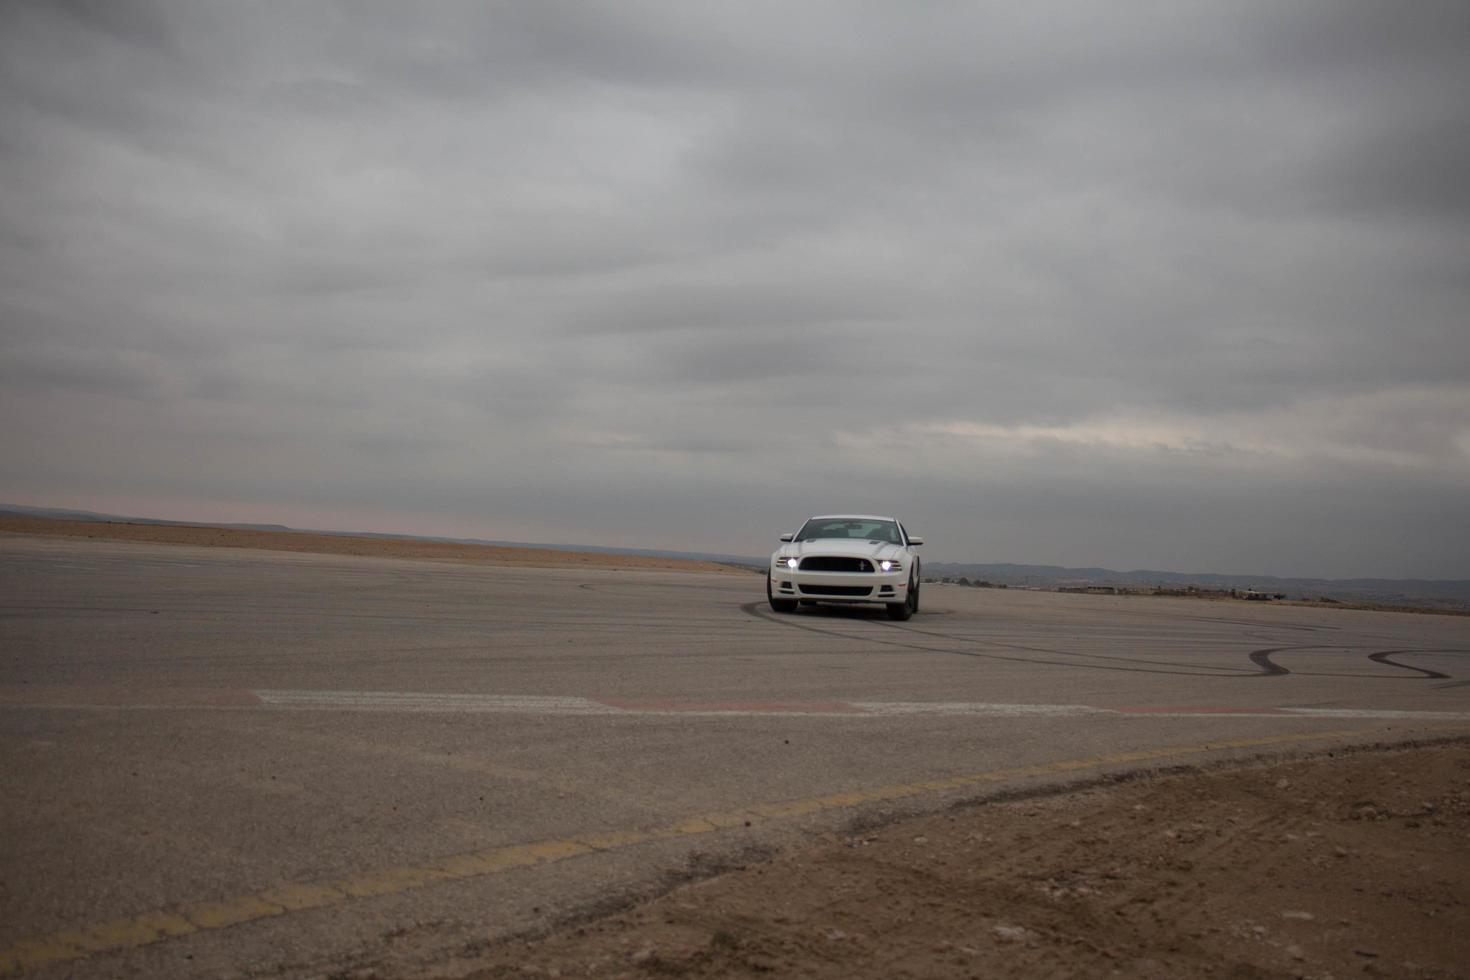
{"points": [[850, 517]]}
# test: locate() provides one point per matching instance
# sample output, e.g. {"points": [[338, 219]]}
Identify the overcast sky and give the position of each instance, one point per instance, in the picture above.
{"points": [[1138, 284]]}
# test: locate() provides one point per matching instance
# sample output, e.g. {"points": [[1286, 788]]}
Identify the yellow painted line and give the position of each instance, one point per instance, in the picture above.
{"points": [[390, 881], [152, 927], [293, 898], [232, 912], [609, 840]]}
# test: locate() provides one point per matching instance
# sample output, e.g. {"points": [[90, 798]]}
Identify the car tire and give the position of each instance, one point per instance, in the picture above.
{"points": [[780, 605], [901, 611]]}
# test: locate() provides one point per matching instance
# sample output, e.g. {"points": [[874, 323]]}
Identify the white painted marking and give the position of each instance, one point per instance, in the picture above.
{"points": [[969, 708], [1374, 713], [519, 704]]}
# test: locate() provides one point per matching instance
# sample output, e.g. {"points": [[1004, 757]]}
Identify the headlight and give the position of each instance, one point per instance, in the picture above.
{"points": [[785, 562], [891, 565]]}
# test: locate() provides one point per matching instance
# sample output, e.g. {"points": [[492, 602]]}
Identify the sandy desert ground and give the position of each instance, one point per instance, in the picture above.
{"points": [[1352, 865]]}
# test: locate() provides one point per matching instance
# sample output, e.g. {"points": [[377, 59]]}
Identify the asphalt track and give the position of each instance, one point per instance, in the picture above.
{"points": [[233, 763]]}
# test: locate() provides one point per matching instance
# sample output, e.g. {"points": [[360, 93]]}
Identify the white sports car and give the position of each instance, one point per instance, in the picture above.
{"points": [[847, 558]]}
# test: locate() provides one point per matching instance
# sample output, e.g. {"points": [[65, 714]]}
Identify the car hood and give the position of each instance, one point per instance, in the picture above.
{"points": [[841, 546]]}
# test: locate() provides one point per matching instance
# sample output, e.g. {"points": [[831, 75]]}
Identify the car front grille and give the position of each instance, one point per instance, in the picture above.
{"points": [[835, 563], [836, 590]]}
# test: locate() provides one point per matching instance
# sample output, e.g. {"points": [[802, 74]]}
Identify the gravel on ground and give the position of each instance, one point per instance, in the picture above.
{"points": [[1348, 864]]}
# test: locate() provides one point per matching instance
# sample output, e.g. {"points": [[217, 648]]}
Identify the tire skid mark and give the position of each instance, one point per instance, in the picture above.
{"points": [[1056, 653], [1384, 658], [1261, 659], [753, 608], [1299, 627]]}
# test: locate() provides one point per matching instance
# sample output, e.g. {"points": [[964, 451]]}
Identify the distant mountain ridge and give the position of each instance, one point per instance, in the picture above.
{"points": [[63, 514], [1449, 593], [58, 513], [1443, 593]]}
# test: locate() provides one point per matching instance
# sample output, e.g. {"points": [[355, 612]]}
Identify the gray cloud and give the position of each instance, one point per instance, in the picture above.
{"points": [[1182, 285]]}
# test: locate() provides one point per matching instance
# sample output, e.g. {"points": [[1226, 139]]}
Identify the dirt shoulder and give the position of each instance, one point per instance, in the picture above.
{"points": [[334, 544], [1352, 864]]}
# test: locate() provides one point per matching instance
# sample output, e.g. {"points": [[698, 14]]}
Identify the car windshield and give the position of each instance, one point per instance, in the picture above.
{"points": [[845, 527]]}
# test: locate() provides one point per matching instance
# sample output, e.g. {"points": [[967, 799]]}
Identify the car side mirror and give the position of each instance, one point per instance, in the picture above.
{"points": [[916, 541], [787, 537]]}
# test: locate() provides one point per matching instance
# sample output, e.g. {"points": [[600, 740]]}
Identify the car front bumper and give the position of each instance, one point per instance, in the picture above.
{"points": [[876, 587]]}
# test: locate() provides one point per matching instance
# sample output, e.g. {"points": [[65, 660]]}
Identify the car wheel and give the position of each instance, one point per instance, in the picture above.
{"points": [[910, 605], [780, 605]]}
